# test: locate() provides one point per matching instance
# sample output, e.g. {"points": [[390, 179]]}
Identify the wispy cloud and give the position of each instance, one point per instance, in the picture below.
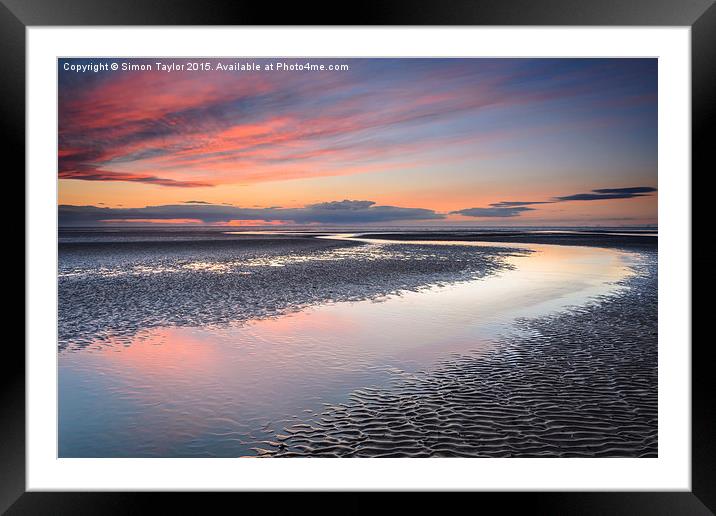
{"points": [[104, 175], [510, 204], [493, 211], [213, 128]]}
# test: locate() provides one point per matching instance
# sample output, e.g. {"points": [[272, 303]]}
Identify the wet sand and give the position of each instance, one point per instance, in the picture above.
{"points": [[113, 289], [581, 383]]}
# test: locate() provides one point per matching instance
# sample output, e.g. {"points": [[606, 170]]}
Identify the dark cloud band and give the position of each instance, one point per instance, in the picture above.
{"points": [[609, 193], [336, 212], [516, 208]]}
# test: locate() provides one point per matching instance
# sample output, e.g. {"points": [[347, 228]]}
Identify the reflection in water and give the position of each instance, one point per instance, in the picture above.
{"points": [[220, 391]]}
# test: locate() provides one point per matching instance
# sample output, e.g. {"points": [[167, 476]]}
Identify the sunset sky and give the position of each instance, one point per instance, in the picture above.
{"points": [[390, 141]]}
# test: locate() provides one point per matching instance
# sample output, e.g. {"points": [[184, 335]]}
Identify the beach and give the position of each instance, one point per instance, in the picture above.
{"points": [[578, 384], [210, 342]]}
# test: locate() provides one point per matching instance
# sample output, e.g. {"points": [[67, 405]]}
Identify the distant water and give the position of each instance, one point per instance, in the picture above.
{"points": [[222, 389], [153, 233]]}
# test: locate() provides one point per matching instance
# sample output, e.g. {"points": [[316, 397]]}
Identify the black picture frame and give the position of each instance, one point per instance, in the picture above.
{"points": [[700, 15]]}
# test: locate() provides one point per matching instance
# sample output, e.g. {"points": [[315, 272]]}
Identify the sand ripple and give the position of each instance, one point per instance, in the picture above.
{"points": [[578, 384]]}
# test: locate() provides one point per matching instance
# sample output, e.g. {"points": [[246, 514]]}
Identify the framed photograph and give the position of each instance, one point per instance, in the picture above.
{"points": [[437, 249]]}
